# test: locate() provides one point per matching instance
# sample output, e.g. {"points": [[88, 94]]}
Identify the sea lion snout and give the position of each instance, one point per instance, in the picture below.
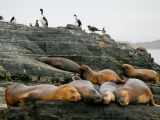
{"points": [[123, 102], [97, 99], [108, 97], [78, 97], [40, 59]]}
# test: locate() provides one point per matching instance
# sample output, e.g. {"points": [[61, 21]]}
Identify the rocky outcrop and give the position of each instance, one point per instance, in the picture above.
{"points": [[21, 46], [63, 110]]}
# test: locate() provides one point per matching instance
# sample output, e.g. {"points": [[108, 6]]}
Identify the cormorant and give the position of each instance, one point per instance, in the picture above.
{"points": [[43, 19], [37, 25], [77, 21]]}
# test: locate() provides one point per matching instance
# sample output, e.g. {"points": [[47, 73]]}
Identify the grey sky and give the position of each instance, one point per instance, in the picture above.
{"points": [[124, 20]]}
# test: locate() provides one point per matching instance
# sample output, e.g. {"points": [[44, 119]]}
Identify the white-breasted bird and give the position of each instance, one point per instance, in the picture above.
{"points": [[37, 24], [43, 19], [77, 21], [13, 19]]}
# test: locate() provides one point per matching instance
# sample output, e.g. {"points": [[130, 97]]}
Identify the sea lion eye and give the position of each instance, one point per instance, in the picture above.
{"points": [[73, 91]]}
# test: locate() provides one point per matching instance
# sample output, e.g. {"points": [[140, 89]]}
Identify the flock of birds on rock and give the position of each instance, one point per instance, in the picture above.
{"points": [[44, 23]]}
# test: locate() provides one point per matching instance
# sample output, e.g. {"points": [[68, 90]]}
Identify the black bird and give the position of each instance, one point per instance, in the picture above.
{"points": [[13, 19], [92, 28], [37, 24], [77, 21], [1, 18], [43, 19]]}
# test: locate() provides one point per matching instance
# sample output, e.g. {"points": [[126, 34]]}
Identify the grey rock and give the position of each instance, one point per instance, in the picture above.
{"points": [[64, 110]]}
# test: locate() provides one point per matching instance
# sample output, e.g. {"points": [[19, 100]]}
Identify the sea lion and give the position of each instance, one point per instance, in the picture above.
{"points": [[107, 91], [87, 90], [21, 95], [100, 77], [62, 63], [142, 74], [141, 48], [134, 91]]}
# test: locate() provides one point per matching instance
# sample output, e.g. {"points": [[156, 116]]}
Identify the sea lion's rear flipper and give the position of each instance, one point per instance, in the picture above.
{"points": [[152, 100], [123, 81]]}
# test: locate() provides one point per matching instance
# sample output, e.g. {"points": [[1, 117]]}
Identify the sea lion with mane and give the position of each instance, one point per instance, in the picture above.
{"points": [[21, 95]]}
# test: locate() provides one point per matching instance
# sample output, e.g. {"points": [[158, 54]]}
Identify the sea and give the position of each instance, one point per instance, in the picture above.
{"points": [[155, 53]]}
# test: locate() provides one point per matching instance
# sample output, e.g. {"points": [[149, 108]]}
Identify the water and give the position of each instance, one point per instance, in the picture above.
{"points": [[155, 53]]}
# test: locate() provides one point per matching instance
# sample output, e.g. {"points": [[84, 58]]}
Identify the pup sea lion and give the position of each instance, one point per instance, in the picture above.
{"points": [[86, 90], [61, 63], [141, 48], [134, 91], [100, 77], [107, 91], [21, 95], [142, 74]]}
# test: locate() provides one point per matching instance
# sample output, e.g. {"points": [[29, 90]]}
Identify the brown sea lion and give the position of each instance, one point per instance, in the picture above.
{"points": [[134, 91], [62, 63], [21, 95], [87, 90], [107, 91], [100, 77], [141, 48], [142, 74]]}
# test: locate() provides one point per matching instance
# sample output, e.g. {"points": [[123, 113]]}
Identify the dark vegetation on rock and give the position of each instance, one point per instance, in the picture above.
{"points": [[21, 46]]}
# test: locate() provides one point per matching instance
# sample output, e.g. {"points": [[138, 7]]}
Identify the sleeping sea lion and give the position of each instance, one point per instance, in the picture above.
{"points": [[142, 74], [134, 91], [87, 90], [21, 95], [62, 63], [107, 91]]}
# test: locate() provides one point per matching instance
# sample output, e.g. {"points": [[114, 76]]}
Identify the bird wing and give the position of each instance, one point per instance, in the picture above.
{"points": [[44, 18], [79, 22], [11, 19]]}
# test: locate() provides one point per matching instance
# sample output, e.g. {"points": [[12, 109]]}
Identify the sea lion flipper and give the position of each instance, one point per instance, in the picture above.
{"points": [[123, 81], [152, 100]]}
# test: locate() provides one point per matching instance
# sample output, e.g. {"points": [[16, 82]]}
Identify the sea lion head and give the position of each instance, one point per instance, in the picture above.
{"points": [[97, 98], [40, 59], [68, 92], [122, 97], [127, 67], [108, 97], [92, 96]]}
